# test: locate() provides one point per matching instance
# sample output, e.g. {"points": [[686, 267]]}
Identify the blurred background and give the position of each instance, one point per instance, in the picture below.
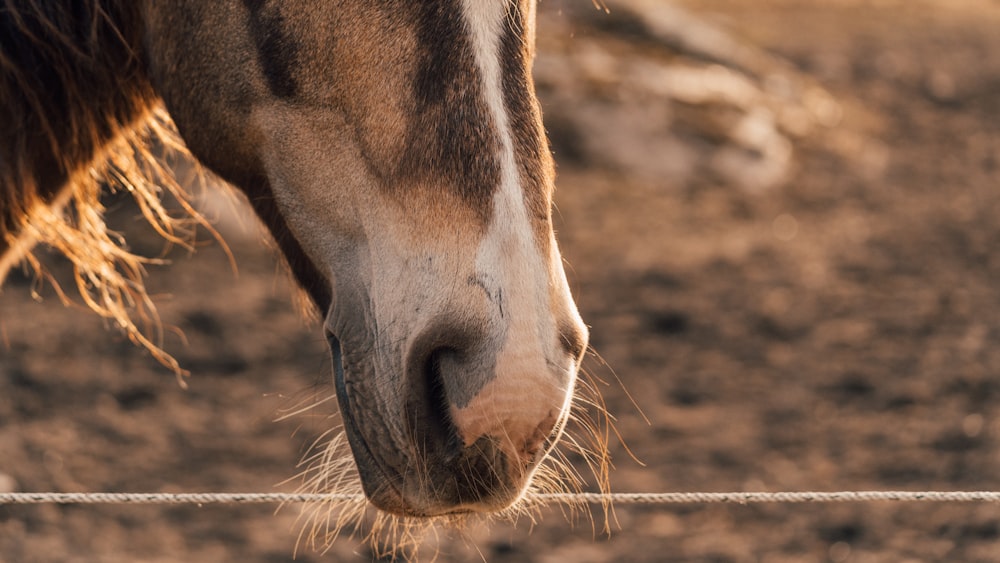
{"points": [[780, 220]]}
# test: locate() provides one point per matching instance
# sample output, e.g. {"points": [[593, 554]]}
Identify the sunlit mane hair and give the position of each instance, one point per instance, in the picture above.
{"points": [[78, 115]]}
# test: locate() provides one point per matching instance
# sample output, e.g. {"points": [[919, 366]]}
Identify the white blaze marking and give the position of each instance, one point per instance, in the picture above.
{"points": [[525, 392], [486, 19]]}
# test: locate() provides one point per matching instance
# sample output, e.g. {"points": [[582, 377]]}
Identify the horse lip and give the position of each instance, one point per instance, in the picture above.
{"points": [[386, 495], [380, 487]]}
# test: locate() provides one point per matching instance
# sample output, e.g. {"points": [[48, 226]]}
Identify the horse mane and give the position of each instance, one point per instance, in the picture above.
{"points": [[78, 115]]}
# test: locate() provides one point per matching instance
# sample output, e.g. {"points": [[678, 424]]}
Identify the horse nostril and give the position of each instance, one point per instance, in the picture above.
{"points": [[573, 337], [537, 439], [428, 409]]}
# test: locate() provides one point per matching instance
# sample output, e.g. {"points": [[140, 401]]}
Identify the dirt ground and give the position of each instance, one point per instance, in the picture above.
{"points": [[789, 259]]}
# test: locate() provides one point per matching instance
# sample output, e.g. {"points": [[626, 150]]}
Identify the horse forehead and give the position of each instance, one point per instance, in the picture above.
{"points": [[410, 77]]}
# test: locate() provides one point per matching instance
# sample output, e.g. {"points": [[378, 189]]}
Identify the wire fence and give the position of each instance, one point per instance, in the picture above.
{"points": [[552, 498]]}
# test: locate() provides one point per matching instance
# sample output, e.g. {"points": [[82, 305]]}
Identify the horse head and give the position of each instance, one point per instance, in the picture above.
{"points": [[396, 152]]}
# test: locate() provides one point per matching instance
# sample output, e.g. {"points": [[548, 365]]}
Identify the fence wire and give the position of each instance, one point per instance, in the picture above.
{"points": [[551, 498]]}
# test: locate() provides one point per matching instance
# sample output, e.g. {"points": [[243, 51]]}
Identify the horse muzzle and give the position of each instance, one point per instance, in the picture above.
{"points": [[464, 425]]}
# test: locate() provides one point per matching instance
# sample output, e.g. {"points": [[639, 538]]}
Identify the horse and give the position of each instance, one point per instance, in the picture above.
{"points": [[395, 151]]}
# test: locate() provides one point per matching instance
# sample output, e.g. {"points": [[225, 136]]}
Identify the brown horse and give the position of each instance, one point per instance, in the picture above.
{"points": [[395, 151]]}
